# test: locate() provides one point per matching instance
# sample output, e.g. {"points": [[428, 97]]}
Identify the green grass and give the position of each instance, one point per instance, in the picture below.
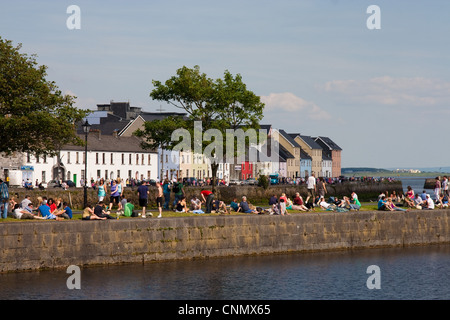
{"points": [[366, 206]]}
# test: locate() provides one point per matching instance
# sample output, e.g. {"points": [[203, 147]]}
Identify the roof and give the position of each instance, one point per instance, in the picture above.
{"points": [[285, 154], [150, 116], [308, 140], [107, 123], [289, 138], [109, 143], [304, 155], [327, 142]]}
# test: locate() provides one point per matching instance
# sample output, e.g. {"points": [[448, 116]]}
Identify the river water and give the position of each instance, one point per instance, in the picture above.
{"points": [[413, 273]]}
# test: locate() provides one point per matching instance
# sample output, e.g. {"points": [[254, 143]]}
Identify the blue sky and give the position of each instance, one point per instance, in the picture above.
{"points": [[382, 95]]}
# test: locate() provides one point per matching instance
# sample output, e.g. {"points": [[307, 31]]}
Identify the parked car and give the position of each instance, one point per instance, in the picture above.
{"points": [[250, 181], [235, 182], [53, 184]]}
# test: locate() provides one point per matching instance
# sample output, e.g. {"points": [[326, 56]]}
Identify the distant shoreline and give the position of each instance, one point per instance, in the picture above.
{"points": [[394, 174]]}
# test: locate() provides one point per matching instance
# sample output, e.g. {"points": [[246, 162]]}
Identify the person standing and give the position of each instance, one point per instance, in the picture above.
{"points": [[166, 190], [159, 198], [4, 198], [311, 186], [143, 197], [437, 188], [208, 198], [445, 186], [321, 188], [114, 195], [101, 190]]}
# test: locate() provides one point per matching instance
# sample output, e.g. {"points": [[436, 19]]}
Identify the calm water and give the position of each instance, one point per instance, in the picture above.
{"points": [[405, 273], [416, 184]]}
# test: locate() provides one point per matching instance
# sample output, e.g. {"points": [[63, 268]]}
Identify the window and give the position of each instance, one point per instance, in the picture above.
{"points": [[129, 160], [123, 158], [28, 157], [77, 157], [68, 157], [99, 174], [43, 176], [37, 159], [112, 158], [137, 159], [96, 159], [118, 173], [149, 159], [143, 159], [104, 159], [45, 158]]}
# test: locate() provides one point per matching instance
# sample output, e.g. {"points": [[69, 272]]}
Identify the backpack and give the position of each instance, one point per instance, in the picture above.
{"points": [[176, 188], [128, 210]]}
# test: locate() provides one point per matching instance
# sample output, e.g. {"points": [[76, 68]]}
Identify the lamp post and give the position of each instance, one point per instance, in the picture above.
{"points": [[86, 128]]}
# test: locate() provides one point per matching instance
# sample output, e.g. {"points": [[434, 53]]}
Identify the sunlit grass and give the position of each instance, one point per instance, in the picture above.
{"points": [[366, 206]]}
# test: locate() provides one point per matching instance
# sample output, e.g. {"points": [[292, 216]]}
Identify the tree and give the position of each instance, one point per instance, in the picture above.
{"points": [[35, 116], [217, 105]]}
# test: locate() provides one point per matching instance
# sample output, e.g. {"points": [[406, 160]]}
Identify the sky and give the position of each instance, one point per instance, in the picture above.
{"points": [[382, 95]]}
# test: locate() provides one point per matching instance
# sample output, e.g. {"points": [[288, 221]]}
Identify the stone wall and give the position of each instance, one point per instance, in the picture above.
{"points": [[58, 244]]}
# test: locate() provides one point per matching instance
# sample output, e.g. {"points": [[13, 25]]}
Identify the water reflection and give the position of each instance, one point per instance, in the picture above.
{"points": [[406, 273]]}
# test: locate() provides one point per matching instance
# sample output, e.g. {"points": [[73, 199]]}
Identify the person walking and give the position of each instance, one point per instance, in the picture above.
{"points": [[311, 186]]}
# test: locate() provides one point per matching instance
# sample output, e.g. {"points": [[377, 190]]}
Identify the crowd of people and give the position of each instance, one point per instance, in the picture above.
{"points": [[205, 201], [421, 201]]}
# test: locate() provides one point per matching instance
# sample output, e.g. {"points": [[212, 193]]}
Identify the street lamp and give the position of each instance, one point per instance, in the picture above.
{"points": [[86, 128]]}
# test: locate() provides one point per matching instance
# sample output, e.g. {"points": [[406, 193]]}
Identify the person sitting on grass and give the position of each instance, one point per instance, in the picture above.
{"points": [[25, 213], [44, 211], [234, 205], [244, 206], [181, 205], [298, 203], [100, 212], [382, 204], [88, 214], [392, 207], [219, 206]]}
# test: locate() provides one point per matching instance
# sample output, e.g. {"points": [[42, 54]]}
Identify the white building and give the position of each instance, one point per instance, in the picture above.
{"points": [[108, 157]]}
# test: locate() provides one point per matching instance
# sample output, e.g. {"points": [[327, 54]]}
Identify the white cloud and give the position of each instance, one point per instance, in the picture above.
{"points": [[389, 91], [289, 102]]}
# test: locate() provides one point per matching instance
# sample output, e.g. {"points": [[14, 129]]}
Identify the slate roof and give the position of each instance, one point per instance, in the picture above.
{"points": [[289, 138], [325, 141], [109, 143]]}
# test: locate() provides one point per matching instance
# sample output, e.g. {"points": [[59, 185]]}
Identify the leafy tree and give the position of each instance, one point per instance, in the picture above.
{"points": [[217, 104], [35, 116]]}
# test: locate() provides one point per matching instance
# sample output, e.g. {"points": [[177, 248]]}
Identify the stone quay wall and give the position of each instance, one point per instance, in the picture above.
{"points": [[59, 244]]}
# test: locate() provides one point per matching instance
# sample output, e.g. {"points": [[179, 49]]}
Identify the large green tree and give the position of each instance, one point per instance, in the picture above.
{"points": [[218, 105], [35, 116]]}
